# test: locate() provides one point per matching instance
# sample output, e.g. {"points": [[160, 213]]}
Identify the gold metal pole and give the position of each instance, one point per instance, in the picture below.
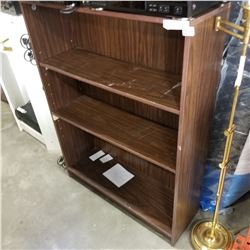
{"points": [[211, 234], [229, 134]]}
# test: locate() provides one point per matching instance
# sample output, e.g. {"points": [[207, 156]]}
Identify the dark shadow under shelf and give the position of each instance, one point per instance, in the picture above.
{"points": [[148, 140], [155, 88], [144, 197]]}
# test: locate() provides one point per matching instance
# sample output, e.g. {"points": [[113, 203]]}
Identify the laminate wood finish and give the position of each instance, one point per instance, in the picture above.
{"points": [[87, 144], [145, 198], [134, 107], [110, 79], [56, 86], [147, 177], [201, 70], [154, 88], [72, 137], [70, 89], [55, 32], [136, 42], [148, 140], [137, 164]]}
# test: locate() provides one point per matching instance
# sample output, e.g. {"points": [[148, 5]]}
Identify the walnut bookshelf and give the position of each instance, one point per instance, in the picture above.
{"points": [[122, 83]]}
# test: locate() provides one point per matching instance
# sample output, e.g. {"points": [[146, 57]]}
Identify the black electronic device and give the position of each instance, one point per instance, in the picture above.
{"points": [[11, 7], [156, 8]]}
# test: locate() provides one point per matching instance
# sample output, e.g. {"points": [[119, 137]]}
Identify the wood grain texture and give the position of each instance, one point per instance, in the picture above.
{"points": [[149, 196], [151, 87], [57, 85], [201, 71], [148, 140], [74, 142], [149, 200], [132, 44], [134, 107], [52, 32], [136, 42], [137, 164], [60, 90]]}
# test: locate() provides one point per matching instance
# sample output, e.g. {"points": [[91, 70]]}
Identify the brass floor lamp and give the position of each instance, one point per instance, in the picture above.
{"points": [[209, 234]]}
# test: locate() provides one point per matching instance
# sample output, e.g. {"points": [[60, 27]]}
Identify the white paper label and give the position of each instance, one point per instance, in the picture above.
{"points": [[180, 24], [97, 155], [23, 111], [170, 24], [106, 158], [190, 31], [118, 175]]}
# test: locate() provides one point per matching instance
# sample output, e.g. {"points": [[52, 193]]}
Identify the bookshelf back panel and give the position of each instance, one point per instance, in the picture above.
{"points": [[137, 42], [151, 113]]}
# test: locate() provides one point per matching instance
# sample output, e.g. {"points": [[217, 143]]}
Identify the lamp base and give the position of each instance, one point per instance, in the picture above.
{"points": [[202, 239]]}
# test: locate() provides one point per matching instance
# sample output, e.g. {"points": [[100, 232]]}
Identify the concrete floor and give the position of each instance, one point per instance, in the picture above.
{"points": [[43, 208]]}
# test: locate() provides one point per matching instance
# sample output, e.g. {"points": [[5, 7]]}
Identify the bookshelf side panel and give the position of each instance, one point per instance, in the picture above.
{"points": [[201, 71]]}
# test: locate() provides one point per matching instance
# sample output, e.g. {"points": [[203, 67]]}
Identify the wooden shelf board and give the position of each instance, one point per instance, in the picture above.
{"points": [[148, 140], [155, 88], [147, 199]]}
